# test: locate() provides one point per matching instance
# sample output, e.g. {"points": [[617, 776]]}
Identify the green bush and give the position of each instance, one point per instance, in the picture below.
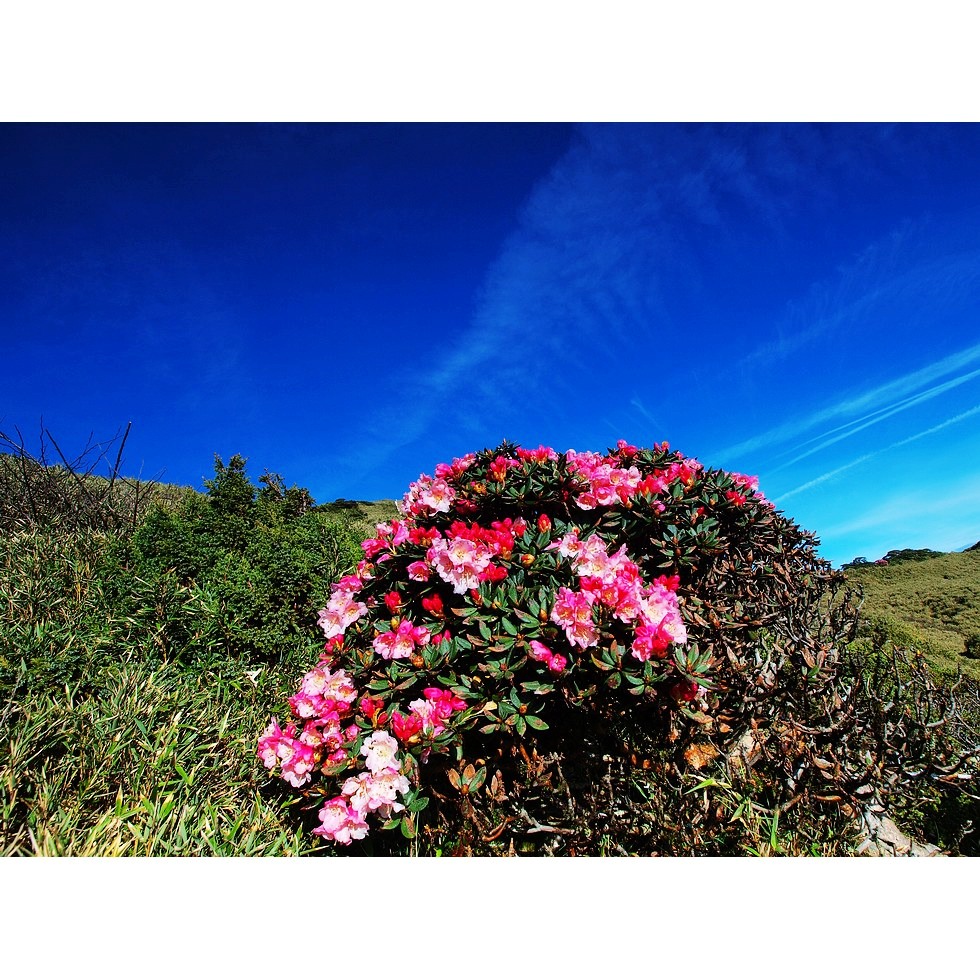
{"points": [[239, 568], [520, 730], [131, 677]]}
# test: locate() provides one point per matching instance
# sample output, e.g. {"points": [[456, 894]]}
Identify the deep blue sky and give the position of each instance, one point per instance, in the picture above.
{"points": [[349, 305]]}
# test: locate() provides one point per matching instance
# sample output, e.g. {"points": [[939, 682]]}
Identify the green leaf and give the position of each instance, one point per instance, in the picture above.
{"points": [[408, 826], [536, 722], [477, 780]]}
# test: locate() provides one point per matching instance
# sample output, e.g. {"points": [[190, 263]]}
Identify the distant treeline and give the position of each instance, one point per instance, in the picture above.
{"points": [[899, 555]]}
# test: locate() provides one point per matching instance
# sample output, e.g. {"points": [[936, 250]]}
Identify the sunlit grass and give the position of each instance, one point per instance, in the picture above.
{"points": [[932, 605], [144, 761]]}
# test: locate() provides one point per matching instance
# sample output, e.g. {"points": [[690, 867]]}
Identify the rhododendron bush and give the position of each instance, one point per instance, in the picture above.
{"points": [[543, 642]]}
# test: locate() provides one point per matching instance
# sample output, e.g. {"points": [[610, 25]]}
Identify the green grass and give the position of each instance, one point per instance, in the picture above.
{"points": [[129, 713], [932, 605], [142, 760]]}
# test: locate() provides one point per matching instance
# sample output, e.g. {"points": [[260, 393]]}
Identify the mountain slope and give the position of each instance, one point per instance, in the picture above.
{"points": [[934, 601]]}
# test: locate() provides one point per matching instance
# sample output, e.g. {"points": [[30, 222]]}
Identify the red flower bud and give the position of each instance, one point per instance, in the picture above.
{"points": [[433, 604]]}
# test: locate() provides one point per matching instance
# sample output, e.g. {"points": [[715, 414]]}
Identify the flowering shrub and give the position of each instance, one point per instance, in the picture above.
{"points": [[587, 654], [517, 584]]}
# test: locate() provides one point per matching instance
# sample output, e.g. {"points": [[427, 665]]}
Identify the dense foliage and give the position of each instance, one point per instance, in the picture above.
{"points": [[145, 630], [135, 663], [595, 654]]}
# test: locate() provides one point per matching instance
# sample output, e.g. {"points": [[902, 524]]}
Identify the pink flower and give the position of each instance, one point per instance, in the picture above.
{"points": [[459, 562], [439, 497], [418, 571], [348, 585], [573, 612], [405, 727], [323, 733], [298, 764], [340, 612], [446, 701], [568, 545], [436, 709], [380, 751], [268, 747], [371, 546], [376, 791], [555, 662], [649, 641], [401, 642], [540, 455], [540, 652], [340, 822], [500, 466]]}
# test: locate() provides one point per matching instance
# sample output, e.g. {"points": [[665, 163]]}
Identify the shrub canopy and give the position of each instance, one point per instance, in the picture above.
{"points": [[552, 651]]}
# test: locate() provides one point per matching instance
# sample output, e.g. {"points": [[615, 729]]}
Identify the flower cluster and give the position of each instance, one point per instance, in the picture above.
{"points": [[614, 582], [329, 742], [510, 573], [464, 557], [323, 703], [342, 610], [745, 487]]}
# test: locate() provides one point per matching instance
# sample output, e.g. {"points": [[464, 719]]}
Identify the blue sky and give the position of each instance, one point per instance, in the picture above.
{"points": [[349, 305]]}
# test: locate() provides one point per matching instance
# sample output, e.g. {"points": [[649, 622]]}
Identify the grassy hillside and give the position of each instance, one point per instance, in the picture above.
{"points": [[365, 513], [139, 655], [144, 635], [932, 603]]}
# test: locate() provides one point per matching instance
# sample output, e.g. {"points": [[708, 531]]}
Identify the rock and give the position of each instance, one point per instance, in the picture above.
{"points": [[884, 839]]}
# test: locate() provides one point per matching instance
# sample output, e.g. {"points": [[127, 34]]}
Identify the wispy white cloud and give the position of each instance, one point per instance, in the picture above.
{"points": [[887, 398], [611, 273], [839, 433], [831, 474], [657, 424]]}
